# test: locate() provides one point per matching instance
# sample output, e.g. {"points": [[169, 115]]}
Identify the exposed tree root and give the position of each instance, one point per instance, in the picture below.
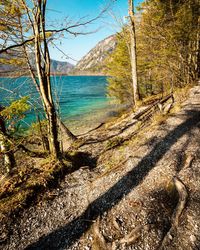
{"points": [[93, 129], [189, 160], [182, 191], [32, 153], [99, 242], [132, 236], [66, 131]]}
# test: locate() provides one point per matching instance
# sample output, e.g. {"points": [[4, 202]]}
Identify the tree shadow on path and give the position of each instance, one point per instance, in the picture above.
{"points": [[66, 236]]}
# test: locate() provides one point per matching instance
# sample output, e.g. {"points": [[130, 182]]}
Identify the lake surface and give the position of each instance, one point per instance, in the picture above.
{"points": [[81, 100]]}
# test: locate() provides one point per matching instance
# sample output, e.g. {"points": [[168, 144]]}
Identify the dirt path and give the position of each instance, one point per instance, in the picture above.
{"points": [[128, 199]]}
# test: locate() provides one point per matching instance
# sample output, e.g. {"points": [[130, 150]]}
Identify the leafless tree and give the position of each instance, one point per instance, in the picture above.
{"points": [[29, 35]]}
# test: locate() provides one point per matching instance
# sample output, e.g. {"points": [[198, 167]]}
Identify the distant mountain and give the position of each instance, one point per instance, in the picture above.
{"points": [[57, 67], [93, 61]]}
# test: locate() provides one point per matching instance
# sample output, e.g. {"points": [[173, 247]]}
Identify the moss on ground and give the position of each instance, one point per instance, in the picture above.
{"points": [[21, 187]]}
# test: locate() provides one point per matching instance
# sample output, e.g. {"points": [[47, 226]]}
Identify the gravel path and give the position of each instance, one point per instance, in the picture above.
{"points": [[128, 200]]}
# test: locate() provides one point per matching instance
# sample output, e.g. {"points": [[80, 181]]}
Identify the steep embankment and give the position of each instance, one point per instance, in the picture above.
{"points": [[123, 196]]}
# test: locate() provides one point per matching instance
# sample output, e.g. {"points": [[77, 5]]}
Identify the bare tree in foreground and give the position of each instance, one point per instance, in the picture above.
{"points": [[30, 34], [8, 156]]}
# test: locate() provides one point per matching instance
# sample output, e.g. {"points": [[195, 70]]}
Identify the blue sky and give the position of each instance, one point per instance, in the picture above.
{"points": [[76, 9]]}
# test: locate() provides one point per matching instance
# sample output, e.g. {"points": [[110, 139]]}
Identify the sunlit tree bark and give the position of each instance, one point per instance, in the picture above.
{"points": [[5, 150], [133, 53]]}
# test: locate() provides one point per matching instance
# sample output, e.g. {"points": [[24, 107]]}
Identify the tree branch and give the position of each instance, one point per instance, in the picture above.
{"points": [[16, 45]]}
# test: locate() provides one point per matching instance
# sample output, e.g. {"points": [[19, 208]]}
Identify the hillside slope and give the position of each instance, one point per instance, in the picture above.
{"points": [[92, 62]]}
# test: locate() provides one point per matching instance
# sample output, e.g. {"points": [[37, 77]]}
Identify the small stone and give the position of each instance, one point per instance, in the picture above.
{"points": [[90, 238], [170, 237], [3, 237], [86, 248], [193, 238]]}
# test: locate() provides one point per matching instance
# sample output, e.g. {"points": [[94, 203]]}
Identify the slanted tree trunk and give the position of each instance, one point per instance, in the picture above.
{"points": [[9, 160], [133, 55], [66, 131]]}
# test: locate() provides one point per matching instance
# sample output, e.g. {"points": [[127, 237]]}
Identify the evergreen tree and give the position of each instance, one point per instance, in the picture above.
{"points": [[168, 49], [168, 41], [118, 67]]}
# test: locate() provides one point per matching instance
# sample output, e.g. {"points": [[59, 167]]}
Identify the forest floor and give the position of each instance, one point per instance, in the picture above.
{"points": [[123, 195]]}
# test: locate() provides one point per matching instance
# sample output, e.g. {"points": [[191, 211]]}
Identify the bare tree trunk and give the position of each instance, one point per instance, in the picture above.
{"points": [[9, 160], [43, 72], [66, 131], [133, 52], [8, 156], [197, 64]]}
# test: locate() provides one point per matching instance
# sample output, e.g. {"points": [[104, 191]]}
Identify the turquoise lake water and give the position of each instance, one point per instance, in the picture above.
{"points": [[79, 99]]}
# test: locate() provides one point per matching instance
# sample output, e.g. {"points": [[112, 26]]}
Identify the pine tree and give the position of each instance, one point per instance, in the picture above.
{"points": [[168, 49], [169, 41], [118, 67]]}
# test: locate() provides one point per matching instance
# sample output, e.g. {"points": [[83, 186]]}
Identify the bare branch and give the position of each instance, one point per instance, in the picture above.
{"points": [[16, 45], [67, 56]]}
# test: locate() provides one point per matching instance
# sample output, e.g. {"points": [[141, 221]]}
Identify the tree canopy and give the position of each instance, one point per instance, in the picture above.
{"points": [[167, 49]]}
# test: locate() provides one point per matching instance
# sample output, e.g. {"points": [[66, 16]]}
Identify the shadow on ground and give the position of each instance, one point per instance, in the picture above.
{"points": [[64, 237]]}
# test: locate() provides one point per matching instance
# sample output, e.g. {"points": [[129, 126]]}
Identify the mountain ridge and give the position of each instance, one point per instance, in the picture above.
{"points": [[93, 61]]}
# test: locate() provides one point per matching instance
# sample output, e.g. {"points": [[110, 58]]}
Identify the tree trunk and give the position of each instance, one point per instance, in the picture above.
{"points": [[53, 133], [197, 64], [133, 55], [9, 160], [42, 59], [65, 130]]}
